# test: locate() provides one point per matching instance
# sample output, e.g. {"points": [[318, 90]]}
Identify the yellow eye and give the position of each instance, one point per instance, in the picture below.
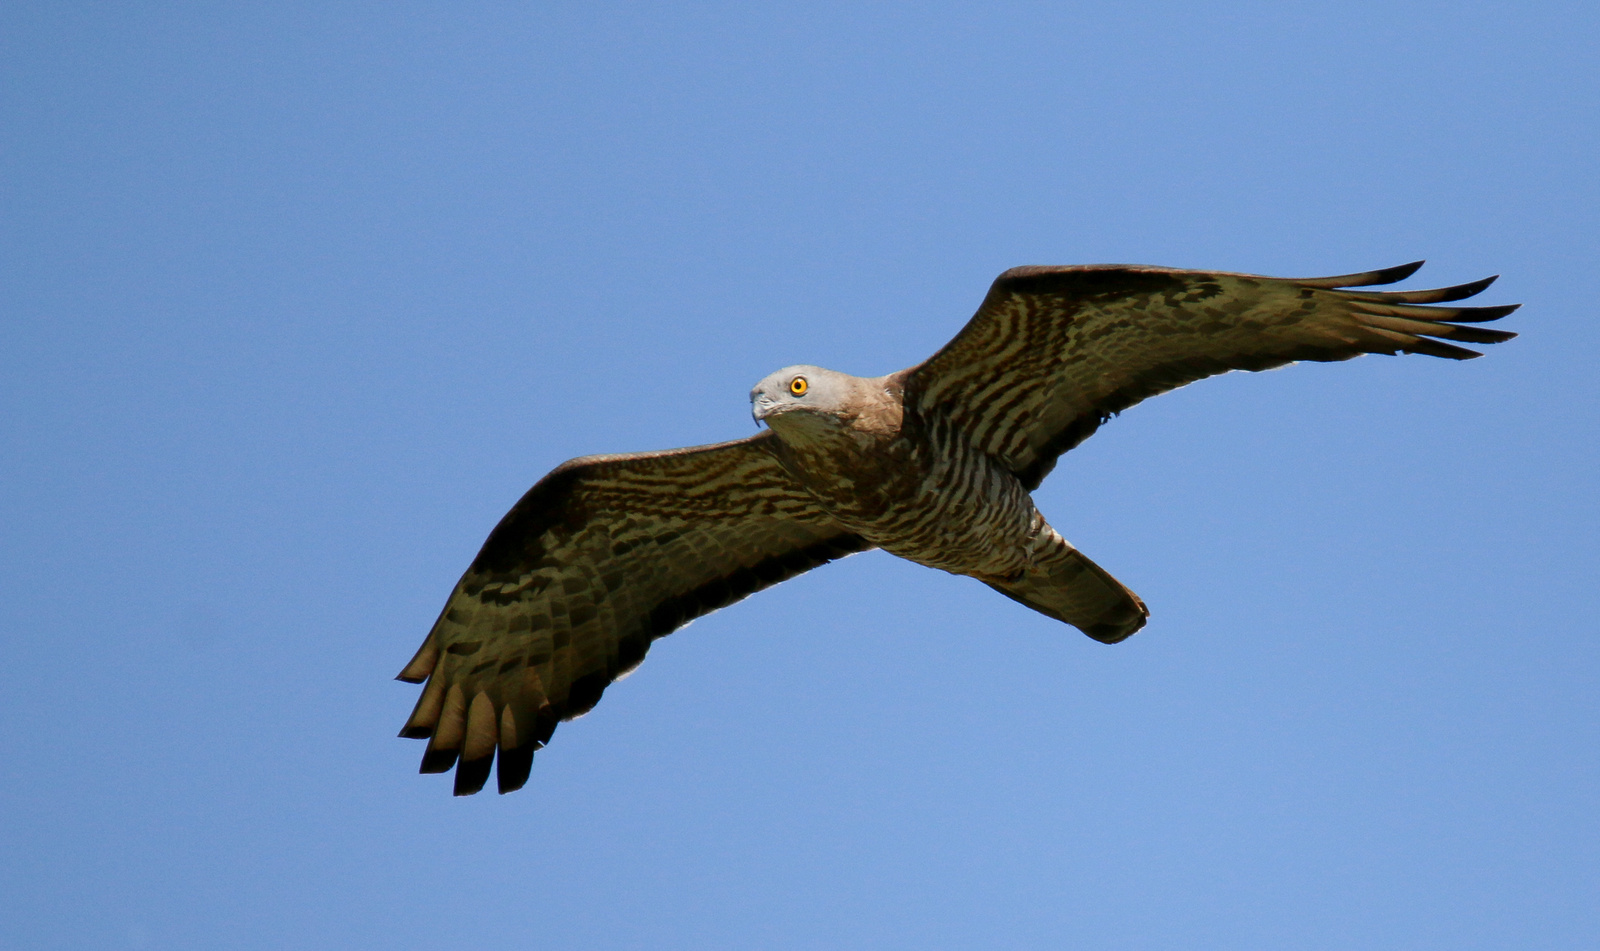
{"points": [[798, 386]]}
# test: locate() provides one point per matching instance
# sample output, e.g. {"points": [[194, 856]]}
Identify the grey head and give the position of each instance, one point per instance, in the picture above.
{"points": [[804, 392]]}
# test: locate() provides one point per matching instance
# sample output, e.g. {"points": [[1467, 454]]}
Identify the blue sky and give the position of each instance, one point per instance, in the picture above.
{"points": [[296, 301]]}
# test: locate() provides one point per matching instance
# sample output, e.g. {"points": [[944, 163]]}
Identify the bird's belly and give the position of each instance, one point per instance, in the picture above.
{"points": [[986, 534], [956, 511]]}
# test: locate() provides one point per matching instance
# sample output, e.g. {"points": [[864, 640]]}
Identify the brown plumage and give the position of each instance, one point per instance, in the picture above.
{"points": [[934, 463]]}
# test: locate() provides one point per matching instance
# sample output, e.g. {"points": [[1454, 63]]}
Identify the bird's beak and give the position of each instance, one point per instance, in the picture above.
{"points": [[761, 407]]}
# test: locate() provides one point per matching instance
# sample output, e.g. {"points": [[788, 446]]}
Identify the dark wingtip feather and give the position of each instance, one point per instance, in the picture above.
{"points": [[1464, 291], [1432, 295], [1435, 348], [1478, 335], [1480, 315], [511, 773], [1449, 315], [471, 774], [1388, 275], [438, 761], [1400, 272], [416, 733], [422, 663], [546, 725]]}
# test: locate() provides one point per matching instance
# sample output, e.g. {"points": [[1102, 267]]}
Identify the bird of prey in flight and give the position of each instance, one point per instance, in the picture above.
{"points": [[934, 463]]}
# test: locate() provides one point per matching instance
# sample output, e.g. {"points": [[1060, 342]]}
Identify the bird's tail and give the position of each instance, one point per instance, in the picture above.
{"points": [[1064, 584]]}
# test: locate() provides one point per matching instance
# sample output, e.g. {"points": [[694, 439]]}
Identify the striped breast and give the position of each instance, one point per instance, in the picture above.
{"points": [[925, 494]]}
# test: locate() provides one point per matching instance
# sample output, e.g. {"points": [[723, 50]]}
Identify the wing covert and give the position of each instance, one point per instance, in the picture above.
{"points": [[601, 557], [1054, 352]]}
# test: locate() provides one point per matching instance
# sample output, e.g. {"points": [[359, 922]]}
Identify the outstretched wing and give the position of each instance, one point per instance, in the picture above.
{"points": [[601, 557], [1053, 352]]}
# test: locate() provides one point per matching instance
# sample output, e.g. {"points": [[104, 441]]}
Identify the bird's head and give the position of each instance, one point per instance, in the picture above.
{"points": [[806, 391]]}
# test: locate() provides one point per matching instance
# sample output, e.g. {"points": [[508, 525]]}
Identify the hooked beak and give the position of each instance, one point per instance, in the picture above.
{"points": [[761, 407]]}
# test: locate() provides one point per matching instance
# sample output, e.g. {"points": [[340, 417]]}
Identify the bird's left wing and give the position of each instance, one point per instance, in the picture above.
{"points": [[601, 557], [1053, 352]]}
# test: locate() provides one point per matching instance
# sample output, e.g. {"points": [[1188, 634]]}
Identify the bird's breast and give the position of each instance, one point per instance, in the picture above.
{"points": [[925, 495]]}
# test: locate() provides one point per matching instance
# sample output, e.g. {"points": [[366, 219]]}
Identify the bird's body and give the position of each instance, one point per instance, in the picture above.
{"points": [[935, 464], [923, 492]]}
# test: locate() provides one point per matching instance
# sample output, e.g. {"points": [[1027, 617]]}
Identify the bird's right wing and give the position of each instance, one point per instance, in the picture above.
{"points": [[601, 557], [1053, 352]]}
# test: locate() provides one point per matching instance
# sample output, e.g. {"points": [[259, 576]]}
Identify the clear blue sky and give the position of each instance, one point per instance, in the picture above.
{"points": [[296, 299]]}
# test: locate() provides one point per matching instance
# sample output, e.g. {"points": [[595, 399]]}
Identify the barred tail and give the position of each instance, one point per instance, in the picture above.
{"points": [[1067, 586]]}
